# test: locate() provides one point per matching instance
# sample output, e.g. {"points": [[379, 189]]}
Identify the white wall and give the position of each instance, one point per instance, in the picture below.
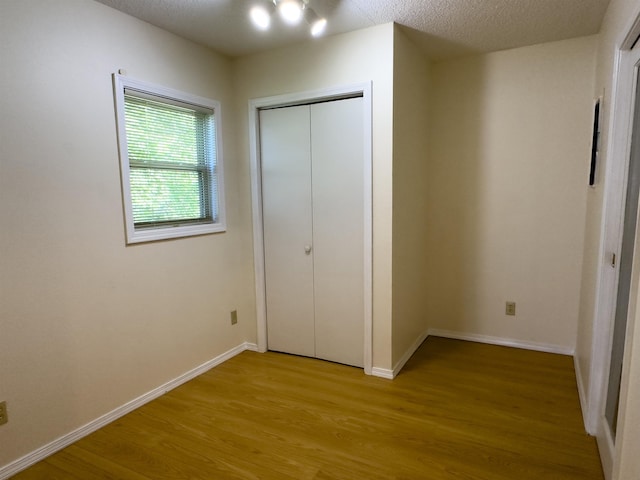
{"points": [[411, 109], [509, 157], [87, 323], [362, 56]]}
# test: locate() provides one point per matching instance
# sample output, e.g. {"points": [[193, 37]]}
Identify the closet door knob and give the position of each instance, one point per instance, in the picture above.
{"points": [[307, 249]]}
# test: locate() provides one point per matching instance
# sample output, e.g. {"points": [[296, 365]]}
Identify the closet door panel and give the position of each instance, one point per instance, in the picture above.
{"points": [[338, 229], [287, 217]]}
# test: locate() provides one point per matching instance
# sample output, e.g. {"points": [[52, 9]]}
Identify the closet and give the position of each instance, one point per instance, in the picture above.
{"points": [[313, 222]]}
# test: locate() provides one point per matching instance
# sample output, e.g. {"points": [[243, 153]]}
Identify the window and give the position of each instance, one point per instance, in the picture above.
{"points": [[169, 161]]}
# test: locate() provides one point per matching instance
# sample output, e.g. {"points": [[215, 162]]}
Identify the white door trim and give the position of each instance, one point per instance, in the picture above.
{"points": [[363, 89], [618, 150]]}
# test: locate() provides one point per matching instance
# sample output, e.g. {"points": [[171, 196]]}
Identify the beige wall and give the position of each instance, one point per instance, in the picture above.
{"points": [[507, 190], [411, 106], [87, 323], [626, 463], [361, 56]]}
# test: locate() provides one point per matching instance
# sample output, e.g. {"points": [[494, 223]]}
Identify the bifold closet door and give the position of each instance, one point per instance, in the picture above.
{"points": [[287, 217], [338, 230], [313, 214]]}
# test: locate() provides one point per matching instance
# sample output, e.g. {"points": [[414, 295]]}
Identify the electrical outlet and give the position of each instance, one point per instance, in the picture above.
{"points": [[511, 308], [3, 413], [234, 317]]}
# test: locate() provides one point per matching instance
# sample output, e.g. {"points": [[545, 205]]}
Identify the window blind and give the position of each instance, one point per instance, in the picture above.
{"points": [[172, 161]]}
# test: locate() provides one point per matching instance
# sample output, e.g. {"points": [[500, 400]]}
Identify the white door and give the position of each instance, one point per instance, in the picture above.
{"points": [[620, 232], [629, 233], [338, 230], [287, 216], [629, 229], [313, 213]]}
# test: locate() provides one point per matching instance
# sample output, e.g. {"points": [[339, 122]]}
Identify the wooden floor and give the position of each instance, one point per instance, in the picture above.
{"points": [[458, 410]]}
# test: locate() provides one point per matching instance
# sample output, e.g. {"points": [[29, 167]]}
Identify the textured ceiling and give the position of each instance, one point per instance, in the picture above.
{"points": [[443, 28]]}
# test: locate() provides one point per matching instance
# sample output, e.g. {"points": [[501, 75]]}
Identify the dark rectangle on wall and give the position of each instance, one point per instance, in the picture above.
{"points": [[595, 141]]}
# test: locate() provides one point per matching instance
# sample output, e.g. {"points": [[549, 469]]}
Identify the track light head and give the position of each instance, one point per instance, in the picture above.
{"points": [[291, 11], [318, 25]]}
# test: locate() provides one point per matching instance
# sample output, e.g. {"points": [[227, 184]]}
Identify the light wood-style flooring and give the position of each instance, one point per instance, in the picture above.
{"points": [[458, 410]]}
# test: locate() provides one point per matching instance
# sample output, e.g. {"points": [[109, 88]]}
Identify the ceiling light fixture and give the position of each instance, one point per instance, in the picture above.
{"points": [[291, 12], [318, 25], [261, 15]]}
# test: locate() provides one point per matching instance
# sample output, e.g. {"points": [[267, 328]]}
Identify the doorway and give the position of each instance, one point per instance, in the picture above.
{"points": [[619, 232], [312, 207], [307, 252], [629, 231]]}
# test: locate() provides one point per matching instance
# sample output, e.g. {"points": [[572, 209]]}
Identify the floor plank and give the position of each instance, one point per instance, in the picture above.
{"points": [[458, 411]]}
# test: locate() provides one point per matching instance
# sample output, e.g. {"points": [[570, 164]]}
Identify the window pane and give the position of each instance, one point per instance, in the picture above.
{"points": [[168, 196], [159, 132]]}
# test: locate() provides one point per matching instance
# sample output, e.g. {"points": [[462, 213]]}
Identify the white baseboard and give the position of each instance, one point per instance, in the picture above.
{"points": [[66, 440], [407, 355], [382, 373], [582, 395], [606, 447], [473, 337], [505, 342], [391, 374]]}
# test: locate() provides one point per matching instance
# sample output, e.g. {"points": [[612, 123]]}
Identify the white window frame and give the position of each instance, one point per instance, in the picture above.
{"points": [[139, 235]]}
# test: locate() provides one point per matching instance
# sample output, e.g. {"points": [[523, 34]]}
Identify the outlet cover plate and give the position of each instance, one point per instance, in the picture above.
{"points": [[3, 413]]}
